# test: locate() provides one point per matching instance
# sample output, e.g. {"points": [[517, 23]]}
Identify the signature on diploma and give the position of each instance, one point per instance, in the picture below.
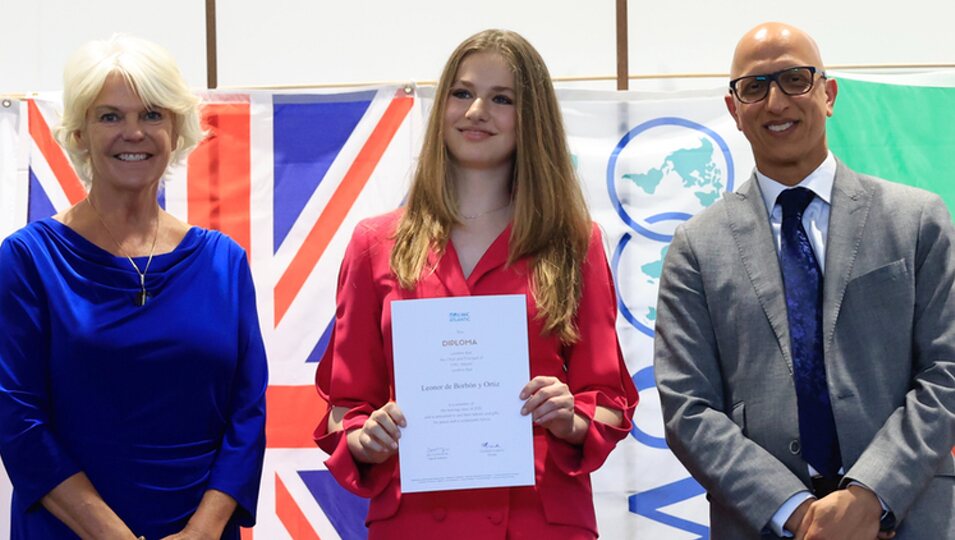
{"points": [[437, 453], [491, 448]]}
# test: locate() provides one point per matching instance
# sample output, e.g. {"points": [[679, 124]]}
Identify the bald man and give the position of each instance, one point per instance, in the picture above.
{"points": [[805, 334]]}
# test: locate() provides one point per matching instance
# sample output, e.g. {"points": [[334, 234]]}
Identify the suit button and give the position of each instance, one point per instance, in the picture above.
{"points": [[794, 447], [439, 514], [496, 517]]}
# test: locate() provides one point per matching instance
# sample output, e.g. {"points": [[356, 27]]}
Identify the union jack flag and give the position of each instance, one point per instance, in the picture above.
{"points": [[288, 176]]}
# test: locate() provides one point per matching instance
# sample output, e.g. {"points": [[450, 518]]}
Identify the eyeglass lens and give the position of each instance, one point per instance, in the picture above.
{"points": [[792, 82]]}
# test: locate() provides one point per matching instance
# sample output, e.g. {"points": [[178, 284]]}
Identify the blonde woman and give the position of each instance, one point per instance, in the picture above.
{"points": [[132, 370], [494, 208]]}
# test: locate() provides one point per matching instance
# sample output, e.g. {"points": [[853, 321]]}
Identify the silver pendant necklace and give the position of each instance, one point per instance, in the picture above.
{"points": [[486, 212], [142, 295]]}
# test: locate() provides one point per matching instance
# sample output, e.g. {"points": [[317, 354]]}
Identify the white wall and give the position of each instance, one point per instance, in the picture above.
{"points": [[310, 41]]}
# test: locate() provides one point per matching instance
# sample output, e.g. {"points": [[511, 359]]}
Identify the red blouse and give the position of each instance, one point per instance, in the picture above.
{"points": [[357, 372]]}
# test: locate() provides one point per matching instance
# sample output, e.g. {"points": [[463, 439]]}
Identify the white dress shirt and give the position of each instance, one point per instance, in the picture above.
{"points": [[815, 220]]}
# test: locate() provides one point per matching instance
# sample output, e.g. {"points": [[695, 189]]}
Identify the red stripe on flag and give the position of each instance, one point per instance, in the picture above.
{"points": [[291, 515], [54, 155], [293, 412], [338, 206], [245, 534], [219, 178]]}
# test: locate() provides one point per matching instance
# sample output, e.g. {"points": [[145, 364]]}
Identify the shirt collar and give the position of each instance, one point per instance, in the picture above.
{"points": [[819, 182]]}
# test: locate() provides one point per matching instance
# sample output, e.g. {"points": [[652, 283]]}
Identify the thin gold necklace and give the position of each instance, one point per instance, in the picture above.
{"points": [[486, 212], [143, 294]]}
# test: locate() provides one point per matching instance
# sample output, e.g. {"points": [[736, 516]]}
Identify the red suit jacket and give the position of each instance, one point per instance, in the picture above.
{"points": [[357, 373]]}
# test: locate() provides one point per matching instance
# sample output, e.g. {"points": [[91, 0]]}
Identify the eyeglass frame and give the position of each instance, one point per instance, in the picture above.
{"points": [[774, 78]]}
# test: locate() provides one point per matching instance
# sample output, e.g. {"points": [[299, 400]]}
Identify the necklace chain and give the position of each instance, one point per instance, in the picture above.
{"points": [[143, 294], [486, 212]]}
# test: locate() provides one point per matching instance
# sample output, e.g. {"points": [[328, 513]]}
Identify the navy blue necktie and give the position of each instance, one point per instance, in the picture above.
{"points": [[803, 282]]}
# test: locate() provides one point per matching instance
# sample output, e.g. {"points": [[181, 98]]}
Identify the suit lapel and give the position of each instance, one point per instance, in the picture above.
{"points": [[749, 223], [847, 220]]}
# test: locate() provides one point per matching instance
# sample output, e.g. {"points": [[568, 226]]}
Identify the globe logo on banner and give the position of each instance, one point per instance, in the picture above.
{"points": [[660, 174]]}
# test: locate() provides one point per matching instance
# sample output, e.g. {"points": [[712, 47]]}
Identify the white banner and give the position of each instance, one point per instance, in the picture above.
{"points": [[10, 157]]}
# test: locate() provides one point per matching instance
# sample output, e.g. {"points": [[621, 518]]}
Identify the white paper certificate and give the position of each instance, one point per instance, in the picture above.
{"points": [[460, 364]]}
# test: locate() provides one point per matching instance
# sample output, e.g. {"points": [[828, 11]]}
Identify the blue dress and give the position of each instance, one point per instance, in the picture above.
{"points": [[156, 404]]}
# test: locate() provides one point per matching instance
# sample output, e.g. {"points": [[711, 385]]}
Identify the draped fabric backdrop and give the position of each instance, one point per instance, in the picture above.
{"points": [[288, 175]]}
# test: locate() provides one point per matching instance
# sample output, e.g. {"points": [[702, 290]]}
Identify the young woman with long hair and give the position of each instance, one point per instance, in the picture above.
{"points": [[495, 207]]}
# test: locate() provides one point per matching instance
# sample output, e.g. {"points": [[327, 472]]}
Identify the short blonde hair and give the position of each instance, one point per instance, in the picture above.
{"points": [[148, 69]]}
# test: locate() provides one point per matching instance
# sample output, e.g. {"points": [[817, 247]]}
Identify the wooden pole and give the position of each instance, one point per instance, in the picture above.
{"points": [[212, 63], [623, 61]]}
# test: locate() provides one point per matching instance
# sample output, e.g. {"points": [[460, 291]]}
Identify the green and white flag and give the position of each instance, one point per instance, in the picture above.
{"points": [[900, 133]]}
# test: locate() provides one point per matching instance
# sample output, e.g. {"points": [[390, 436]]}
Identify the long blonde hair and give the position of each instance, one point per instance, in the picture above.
{"points": [[551, 221]]}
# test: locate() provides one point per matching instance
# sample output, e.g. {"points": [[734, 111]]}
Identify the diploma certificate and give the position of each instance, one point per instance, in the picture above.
{"points": [[460, 364]]}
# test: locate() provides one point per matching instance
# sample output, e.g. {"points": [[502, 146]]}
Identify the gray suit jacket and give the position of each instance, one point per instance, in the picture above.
{"points": [[724, 371]]}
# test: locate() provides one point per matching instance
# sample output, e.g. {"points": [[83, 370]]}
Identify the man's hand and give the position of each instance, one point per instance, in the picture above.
{"points": [[846, 514], [795, 520]]}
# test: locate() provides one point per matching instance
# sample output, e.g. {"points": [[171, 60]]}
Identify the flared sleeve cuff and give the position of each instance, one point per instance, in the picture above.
{"points": [[237, 471], [362, 479], [38, 473], [600, 440]]}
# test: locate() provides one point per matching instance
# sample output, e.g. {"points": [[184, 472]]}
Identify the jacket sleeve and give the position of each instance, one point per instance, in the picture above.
{"points": [[353, 372], [237, 470], [32, 455], [596, 372], [906, 452]]}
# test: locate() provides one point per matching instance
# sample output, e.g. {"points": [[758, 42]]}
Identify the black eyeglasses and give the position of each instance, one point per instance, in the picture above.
{"points": [[794, 81]]}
